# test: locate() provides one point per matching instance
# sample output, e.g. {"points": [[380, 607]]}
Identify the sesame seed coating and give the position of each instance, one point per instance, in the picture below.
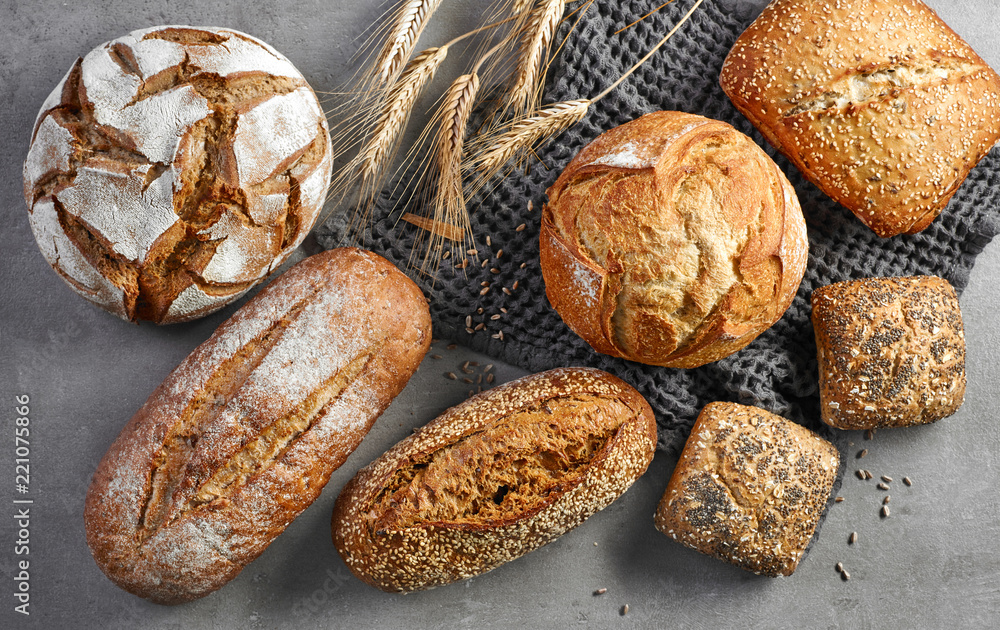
{"points": [[493, 478], [877, 102]]}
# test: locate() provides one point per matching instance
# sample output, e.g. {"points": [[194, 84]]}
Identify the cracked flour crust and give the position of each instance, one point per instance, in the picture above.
{"points": [[174, 168]]}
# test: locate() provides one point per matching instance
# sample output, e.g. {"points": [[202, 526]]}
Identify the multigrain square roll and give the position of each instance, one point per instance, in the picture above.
{"points": [[877, 102], [891, 351], [749, 488]]}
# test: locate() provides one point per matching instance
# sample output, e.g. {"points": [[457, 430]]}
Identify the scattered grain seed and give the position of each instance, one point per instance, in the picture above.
{"points": [[907, 481], [883, 486], [853, 538], [468, 321], [516, 284], [885, 501], [523, 265], [885, 511], [479, 390], [500, 254], [488, 367], [479, 311], [473, 363], [887, 478], [480, 326], [840, 567], [624, 610], [489, 243], [479, 380], [870, 434], [494, 270], [451, 346], [486, 261], [484, 283], [469, 330], [447, 255], [862, 453], [484, 291], [501, 335], [489, 378], [506, 291], [471, 252], [470, 394], [844, 575], [861, 475], [531, 206], [839, 500], [494, 317], [436, 356], [451, 375], [467, 380], [520, 228], [600, 591], [495, 335], [503, 310]]}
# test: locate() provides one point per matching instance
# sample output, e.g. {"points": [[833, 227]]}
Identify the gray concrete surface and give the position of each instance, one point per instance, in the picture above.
{"points": [[933, 564]]}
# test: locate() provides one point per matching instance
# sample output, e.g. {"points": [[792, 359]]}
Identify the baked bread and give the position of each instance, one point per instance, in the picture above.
{"points": [[672, 240], [749, 488], [174, 168], [242, 436], [891, 351], [877, 102], [493, 478]]}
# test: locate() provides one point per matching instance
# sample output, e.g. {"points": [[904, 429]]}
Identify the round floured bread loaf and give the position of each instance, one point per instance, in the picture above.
{"points": [[672, 240], [174, 168]]}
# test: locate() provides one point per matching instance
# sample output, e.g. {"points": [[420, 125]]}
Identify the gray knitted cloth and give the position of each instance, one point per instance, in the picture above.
{"points": [[778, 370]]}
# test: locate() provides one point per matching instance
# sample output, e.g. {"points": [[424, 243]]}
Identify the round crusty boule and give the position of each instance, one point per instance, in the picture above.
{"points": [[174, 168], [672, 240]]}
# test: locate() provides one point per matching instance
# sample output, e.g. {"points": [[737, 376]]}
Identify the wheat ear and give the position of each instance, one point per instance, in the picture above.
{"points": [[448, 201], [408, 22], [535, 40], [546, 123]]}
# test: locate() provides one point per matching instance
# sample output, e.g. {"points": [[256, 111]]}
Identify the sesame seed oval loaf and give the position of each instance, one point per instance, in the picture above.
{"points": [[242, 436], [493, 478]]}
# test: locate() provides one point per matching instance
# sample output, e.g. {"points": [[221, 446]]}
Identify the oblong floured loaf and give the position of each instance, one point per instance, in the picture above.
{"points": [[242, 436], [493, 478], [174, 168]]}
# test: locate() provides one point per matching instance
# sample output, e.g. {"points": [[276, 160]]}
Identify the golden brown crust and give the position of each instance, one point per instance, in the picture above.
{"points": [[245, 432], [749, 488], [672, 240], [493, 478], [891, 351], [877, 102]]}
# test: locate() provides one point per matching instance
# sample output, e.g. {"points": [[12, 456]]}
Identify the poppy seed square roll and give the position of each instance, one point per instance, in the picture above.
{"points": [[749, 488], [891, 351]]}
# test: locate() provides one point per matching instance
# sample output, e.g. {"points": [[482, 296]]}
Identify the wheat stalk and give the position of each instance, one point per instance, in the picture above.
{"points": [[447, 205], [384, 139], [408, 23], [525, 133], [536, 36], [521, 136]]}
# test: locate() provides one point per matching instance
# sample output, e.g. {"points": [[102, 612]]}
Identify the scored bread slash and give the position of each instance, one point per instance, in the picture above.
{"points": [[448, 503]]}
